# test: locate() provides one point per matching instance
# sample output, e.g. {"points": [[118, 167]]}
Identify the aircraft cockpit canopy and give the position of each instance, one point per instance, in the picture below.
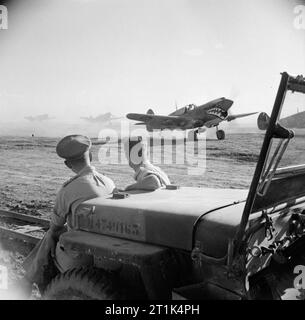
{"points": [[190, 107], [184, 110]]}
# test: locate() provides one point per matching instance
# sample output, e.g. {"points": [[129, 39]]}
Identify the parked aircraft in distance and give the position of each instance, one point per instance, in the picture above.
{"points": [[40, 117], [106, 117]]}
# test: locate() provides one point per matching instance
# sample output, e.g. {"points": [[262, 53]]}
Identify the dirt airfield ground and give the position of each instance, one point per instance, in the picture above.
{"points": [[31, 173]]}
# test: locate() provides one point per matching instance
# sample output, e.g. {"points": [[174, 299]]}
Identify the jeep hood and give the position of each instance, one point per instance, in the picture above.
{"points": [[165, 217]]}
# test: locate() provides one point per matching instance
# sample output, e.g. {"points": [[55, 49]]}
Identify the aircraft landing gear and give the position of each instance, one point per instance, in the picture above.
{"points": [[193, 135], [220, 134]]}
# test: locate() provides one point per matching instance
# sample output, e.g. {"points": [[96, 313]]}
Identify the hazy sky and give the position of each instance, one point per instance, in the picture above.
{"points": [[76, 58]]}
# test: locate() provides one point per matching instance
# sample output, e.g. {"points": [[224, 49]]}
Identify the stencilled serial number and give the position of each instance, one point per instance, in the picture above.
{"points": [[103, 225]]}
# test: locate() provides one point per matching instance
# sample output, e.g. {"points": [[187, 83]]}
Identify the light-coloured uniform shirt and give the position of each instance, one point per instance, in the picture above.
{"points": [[87, 184], [148, 169]]}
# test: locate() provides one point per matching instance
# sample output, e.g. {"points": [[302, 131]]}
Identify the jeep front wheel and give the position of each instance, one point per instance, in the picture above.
{"points": [[82, 284]]}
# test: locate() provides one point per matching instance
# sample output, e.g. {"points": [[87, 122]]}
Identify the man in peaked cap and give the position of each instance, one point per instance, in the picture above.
{"points": [[86, 184]]}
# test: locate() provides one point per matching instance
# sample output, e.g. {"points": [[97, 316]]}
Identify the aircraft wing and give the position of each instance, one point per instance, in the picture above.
{"points": [[139, 117], [236, 116], [163, 120]]}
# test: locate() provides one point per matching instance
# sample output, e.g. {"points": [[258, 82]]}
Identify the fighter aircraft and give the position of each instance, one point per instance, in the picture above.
{"points": [[208, 115], [40, 117], [106, 117]]}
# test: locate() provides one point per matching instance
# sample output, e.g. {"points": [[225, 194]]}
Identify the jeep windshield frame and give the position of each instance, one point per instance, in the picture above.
{"points": [[274, 130]]}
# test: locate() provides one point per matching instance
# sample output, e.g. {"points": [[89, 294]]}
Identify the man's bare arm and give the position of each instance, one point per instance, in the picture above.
{"points": [[149, 183]]}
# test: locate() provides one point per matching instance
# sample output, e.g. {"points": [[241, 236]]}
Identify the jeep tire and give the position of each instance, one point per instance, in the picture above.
{"points": [[82, 284]]}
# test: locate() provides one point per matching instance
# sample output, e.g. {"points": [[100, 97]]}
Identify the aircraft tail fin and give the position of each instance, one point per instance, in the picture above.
{"points": [[150, 111]]}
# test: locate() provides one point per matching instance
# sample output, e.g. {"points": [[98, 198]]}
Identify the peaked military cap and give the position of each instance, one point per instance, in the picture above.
{"points": [[73, 147]]}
